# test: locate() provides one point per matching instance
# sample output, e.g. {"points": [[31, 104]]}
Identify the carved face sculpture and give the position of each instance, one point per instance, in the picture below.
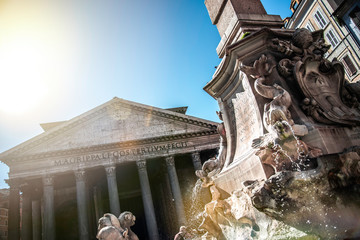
{"points": [[319, 83]]}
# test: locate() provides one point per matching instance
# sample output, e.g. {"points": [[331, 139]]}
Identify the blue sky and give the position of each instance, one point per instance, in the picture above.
{"points": [[63, 58]]}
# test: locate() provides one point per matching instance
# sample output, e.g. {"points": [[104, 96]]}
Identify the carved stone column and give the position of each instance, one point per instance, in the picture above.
{"points": [[147, 201], [49, 214], [99, 210], [36, 219], [81, 198], [113, 190], [26, 227], [175, 188], [196, 160], [14, 210]]}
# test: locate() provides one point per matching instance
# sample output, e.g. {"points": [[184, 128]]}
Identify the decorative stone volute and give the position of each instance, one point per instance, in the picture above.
{"points": [[80, 175], [48, 180], [170, 161], [110, 170]]}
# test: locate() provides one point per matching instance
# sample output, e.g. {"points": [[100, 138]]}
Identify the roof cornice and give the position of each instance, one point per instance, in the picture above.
{"points": [[76, 121], [102, 147]]}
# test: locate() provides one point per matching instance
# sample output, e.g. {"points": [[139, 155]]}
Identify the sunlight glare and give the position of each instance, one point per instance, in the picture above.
{"points": [[23, 74]]}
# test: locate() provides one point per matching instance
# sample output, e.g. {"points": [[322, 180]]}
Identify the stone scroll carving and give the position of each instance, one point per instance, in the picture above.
{"points": [[322, 83], [326, 97]]}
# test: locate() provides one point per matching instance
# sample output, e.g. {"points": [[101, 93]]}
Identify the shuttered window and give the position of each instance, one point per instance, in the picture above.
{"points": [[310, 27], [349, 66], [320, 19], [332, 38]]}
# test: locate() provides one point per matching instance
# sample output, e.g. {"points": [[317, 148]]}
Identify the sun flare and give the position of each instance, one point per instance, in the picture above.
{"points": [[34, 57], [23, 74]]}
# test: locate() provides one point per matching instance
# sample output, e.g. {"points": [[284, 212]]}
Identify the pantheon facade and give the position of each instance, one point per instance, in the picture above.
{"points": [[119, 156]]}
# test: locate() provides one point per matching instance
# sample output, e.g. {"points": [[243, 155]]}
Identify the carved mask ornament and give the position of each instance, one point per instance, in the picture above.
{"points": [[322, 82]]}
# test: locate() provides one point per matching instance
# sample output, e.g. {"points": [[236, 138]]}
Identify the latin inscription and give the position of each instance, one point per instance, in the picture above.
{"points": [[120, 153]]}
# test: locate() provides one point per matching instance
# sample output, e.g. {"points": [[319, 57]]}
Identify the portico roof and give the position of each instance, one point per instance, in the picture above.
{"points": [[116, 124]]}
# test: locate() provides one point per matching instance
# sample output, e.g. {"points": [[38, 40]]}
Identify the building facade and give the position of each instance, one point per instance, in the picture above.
{"points": [[341, 35], [4, 210], [119, 156]]}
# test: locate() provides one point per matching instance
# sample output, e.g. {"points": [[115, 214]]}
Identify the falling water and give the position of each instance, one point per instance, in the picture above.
{"points": [[196, 208], [298, 163]]}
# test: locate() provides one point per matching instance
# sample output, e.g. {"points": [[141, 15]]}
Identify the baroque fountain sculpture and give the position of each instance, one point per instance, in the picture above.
{"points": [[112, 228], [310, 151]]}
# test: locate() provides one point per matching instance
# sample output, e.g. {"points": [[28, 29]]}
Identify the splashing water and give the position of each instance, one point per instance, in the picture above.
{"points": [[298, 163]]}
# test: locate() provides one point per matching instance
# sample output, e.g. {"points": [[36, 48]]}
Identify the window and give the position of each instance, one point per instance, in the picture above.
{"points": [[355, 16], [320, 20], [309, 26], [349, 65], [332, 38]]}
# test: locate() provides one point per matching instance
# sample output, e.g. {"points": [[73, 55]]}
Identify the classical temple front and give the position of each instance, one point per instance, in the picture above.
{"points": [[119, 156]]}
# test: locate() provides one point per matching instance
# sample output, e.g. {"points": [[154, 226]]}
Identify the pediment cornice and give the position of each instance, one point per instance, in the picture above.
{"points": [[83, 118], [103, 147]]}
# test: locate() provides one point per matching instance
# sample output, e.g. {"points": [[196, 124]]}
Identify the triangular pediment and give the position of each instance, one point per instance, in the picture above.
{"points": [[116, 121]]}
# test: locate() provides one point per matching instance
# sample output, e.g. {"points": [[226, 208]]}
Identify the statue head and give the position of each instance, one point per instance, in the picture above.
{"points": [[302, 38], [127, 219], [104, 222]]}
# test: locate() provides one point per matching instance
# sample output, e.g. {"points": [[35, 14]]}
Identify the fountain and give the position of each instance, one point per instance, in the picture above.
{"points": [[291, 166]]}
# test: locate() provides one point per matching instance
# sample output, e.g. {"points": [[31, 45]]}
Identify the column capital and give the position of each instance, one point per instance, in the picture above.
{"points": [[48, 180], [170, 161], [195, 155], [79, 175], [110, 170], [141, 164]]}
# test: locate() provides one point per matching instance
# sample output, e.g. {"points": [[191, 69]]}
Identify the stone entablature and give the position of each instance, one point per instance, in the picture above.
{"points": [[115, 121], [57, 163]]}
